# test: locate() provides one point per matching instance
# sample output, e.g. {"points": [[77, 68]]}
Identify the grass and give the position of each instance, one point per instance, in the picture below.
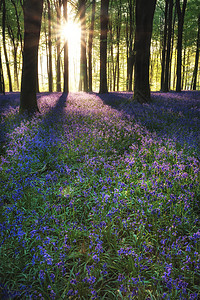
{"points": [[96, 205]]}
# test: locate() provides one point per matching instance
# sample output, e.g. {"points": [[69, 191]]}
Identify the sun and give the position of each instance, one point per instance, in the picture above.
{"points": [[71, 32]]}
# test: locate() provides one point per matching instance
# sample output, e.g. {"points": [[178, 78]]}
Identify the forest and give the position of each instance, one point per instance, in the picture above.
{"points": [[70, 34], [100, 149]]}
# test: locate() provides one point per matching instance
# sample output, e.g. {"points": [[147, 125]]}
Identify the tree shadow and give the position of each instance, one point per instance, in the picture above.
{"points": [[10, 118], [171, 115]]}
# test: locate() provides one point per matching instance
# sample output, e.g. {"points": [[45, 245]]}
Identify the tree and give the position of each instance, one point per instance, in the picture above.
{"points": [[90, 42], [181, 14], [83, 84], [130, 29], [4, 44], [50, 75], [32, 25], [66, 58], [2, 85], [144, 24], [103, 46], [167, 57], [194, 77], [58, 6]]}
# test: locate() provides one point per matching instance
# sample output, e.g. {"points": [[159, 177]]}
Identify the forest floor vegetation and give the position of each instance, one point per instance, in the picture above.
{"points": [[99, 197]]}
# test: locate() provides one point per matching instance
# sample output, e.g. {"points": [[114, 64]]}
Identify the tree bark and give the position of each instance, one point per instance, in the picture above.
{"points": [[58, 5], [32, 25], [181, 14], [14, 51], [118, 30], [66, 57], [130, 45], [83, 84], [194, 77], [164, 46], [50, 73], [103, 46], [90, 43], [4, 45], [2, 85], [144, 24], [166, 83]]}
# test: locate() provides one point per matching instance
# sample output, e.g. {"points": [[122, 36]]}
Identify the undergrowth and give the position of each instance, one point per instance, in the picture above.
{"points": [[96, 206]]}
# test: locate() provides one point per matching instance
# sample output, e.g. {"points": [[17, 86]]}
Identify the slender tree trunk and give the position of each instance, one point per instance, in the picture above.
{"points": [[90, 43], [83, 85], [4, 45], [19, 30], [164, 46], [175, 67], [14, 51], [187, 69], [118, 30], [50, 73], [130, 45], [2, 85], [194, 77], [58, 76], [181, 14], [172, 46], [112, 60], [144, 25], [183, 69], [32, 25], [103, 46], [166, 83], [66, 59]]}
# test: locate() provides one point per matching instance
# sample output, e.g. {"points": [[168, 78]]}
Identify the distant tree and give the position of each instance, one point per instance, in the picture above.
{"points": [[181, 14], [83, 84], [4, 44], [66, 56], [2, 85], [194, 77], [166, 52], [103, 46], [58, 5], [90, 43], [32, 25], [50, 71], [130, 31], [144, 24]]}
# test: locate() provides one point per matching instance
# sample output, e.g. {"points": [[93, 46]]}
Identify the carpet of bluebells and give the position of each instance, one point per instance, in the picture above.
{"points": [[99, 197]]}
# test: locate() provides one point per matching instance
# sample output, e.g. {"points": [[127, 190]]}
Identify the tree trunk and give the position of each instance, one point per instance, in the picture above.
{"points": [[4, 45], [83, 85], [2, 85], [194, 77], [166, 83], [118, 29], [112, 62], [103, 46], [183, 73], [32, 25], [130, 45], [58, 76], [181, 14], [19, 30], [144, 25], [90, 42], [164, 46], [50, 73], [66, 58], [14, 51]]}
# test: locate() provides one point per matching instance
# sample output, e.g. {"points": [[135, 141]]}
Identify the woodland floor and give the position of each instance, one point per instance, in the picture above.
{"points": [[99, 197]]}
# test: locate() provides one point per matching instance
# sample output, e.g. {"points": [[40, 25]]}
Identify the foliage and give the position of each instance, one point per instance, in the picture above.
{"points": [[97, 203]]}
